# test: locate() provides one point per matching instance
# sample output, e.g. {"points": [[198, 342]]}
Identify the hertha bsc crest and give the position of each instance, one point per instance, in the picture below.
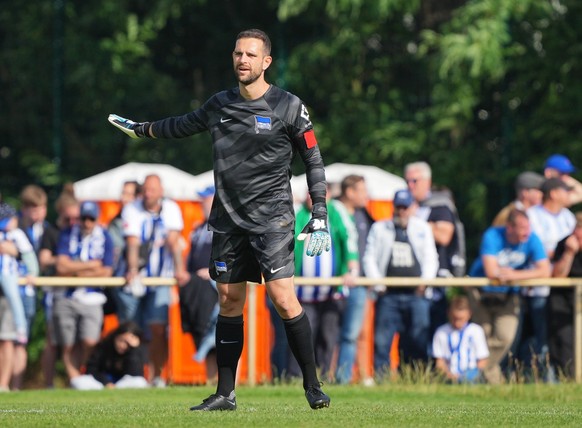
{"points": [[263, 123]]}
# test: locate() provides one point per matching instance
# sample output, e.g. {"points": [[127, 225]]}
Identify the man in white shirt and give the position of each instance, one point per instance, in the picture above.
{"points": [[551, 221], [152, 227]]}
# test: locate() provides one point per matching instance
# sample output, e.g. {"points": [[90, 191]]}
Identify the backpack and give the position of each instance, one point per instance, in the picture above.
{"points": [[456, 251]]}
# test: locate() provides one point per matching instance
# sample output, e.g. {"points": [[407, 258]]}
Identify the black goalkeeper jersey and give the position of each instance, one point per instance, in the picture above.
{"points": [[253, 146]]}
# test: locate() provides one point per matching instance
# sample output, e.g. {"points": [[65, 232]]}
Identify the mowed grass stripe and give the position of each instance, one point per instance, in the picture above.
{"points": [[285, 406]]}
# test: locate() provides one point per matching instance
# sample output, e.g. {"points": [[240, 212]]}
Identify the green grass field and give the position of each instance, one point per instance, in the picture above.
{"points": [[284, 406]]}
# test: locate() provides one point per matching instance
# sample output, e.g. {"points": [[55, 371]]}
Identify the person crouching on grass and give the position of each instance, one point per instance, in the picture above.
{"points": [[460, 347], [117, 361]]}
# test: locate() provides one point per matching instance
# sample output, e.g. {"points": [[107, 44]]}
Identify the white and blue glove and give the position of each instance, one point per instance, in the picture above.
{"points": [[320, 240], [131, 128]]}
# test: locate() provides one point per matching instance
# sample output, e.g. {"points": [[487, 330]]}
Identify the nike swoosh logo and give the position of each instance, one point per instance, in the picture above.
{"points": [[277, 270], [223, 120], [226, 342]]}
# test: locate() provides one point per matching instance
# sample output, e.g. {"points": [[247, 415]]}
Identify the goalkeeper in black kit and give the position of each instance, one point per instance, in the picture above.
{"points": [[256, 129]]}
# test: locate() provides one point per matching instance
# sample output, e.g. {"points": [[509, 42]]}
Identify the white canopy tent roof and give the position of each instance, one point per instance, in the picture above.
{"points": [[181, 185], [205, 180], [178, 185], [381, 184]]}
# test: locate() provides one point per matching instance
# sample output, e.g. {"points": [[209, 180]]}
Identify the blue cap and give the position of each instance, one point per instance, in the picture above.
{"points": [[560, 163], [90, 209], [403, 198], [209, 191], [7, 211]]}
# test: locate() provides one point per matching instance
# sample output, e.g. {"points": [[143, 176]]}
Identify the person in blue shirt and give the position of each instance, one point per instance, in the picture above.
{"points": [[507, 255], [83, 250]]}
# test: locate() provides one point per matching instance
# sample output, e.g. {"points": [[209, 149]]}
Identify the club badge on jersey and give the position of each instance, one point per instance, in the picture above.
{"points": [[220, 266], [262, 123]]}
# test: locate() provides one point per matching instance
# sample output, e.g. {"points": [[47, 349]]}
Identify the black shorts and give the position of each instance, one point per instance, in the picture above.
{"points": [[242, 257]]}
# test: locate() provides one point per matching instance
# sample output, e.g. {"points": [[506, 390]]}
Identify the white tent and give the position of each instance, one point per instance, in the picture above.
{"points": [[107, 185], [205, 180], [381, 184]]}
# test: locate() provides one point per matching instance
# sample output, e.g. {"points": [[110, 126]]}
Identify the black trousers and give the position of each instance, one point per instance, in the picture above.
{"points": [[561, 330]]}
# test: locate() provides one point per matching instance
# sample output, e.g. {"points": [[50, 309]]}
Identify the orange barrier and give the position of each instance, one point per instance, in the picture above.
{"points": [[181, 366], [182, 369], [380, 210], [110, 323]]}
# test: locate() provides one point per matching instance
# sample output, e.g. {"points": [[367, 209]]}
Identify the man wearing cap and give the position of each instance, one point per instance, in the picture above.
{"points": [[401, 247], [560, 166], [83, 250], [528, 193], [551, 221]]}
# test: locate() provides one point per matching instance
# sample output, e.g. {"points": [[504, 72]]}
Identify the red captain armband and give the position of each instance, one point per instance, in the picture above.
{"points": [[310, 140]]}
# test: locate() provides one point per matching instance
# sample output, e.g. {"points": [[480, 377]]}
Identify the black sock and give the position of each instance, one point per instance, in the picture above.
{"points": [[229, 345], [300, 341]]}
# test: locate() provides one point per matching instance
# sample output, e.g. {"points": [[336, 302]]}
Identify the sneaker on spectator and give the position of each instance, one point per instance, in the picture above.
{"points": [[369, 381], [158, 382], [85, 383]]}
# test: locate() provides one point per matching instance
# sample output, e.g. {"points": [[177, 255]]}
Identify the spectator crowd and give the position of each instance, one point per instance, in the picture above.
{"points": [[465, 334]]}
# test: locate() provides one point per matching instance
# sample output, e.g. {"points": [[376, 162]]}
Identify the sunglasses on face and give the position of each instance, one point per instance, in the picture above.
{"points": [[413, 180], [87, 218]]}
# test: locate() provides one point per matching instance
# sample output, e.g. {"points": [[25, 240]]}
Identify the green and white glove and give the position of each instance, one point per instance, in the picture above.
{"points": [[317, 227], [131, 128]]}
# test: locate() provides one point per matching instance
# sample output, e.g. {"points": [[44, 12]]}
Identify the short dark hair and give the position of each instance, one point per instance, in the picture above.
{"points": [[33, 196], [126, 327], [349, 182], [254, 33], [514, 214], [459, 302], [136, 185]]}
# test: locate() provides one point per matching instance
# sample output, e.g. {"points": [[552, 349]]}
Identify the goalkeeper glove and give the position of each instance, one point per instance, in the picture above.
{"points": [[317, 227], [131, 128]]}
